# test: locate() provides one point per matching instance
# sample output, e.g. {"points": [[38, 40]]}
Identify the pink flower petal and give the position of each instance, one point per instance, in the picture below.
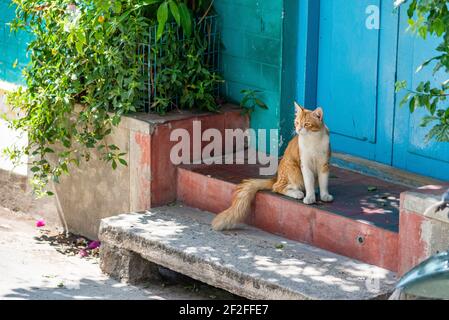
{"points": [[83, 253], [93, 245], [40, 223]]}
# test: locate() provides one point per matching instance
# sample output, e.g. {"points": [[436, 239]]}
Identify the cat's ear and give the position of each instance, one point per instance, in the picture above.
{"points": [[298, 108], [319, 113]]}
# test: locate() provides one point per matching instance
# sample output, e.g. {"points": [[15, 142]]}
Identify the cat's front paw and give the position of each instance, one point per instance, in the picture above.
{"points": [[296, 194], [327, 197], [309, 199]]}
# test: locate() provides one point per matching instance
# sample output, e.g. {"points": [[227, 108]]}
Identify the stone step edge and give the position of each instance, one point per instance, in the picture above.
{"points": [[208, 272], [363, 241]]}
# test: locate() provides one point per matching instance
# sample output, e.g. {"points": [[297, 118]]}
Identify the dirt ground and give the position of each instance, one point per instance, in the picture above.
{"points": [[42, 263]]}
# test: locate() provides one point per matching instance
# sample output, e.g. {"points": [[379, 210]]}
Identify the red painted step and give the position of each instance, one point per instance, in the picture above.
{"points": [[362, 222]]}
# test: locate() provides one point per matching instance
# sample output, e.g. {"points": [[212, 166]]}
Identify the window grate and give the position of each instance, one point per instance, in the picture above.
{"points": [[152, 52]]}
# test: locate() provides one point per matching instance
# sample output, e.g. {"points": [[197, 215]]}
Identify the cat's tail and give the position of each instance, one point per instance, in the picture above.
{"points": [[241, 203]]}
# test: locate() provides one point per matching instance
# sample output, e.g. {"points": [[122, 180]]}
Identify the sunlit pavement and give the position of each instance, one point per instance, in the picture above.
{"points": [[32, 269]]}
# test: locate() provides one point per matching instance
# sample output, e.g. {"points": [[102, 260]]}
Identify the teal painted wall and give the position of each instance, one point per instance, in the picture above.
{"points": [[251, 32], [12, 47]]}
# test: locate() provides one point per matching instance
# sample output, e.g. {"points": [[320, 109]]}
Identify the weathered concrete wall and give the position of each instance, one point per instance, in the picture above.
{"points": [[422, 232], [95, 191]]}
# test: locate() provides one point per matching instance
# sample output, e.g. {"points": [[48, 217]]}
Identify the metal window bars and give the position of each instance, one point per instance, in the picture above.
{"points": [[151, 53]]}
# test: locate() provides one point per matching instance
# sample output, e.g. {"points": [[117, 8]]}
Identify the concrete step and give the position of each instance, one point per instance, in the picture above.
{"points": [[362, 223], [247, 262]]}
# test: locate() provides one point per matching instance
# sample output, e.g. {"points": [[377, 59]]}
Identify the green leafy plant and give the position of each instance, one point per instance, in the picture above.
{"points": [[430, 18], [251, 100], [184, 78], [84, 74], [181, 11]]}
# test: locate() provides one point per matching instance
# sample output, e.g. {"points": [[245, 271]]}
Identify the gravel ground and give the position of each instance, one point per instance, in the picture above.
{"points": [[40, 263]]}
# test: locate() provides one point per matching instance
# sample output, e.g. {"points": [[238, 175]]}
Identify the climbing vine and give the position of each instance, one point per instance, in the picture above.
{"points": [[430, 18], [84, 74]]}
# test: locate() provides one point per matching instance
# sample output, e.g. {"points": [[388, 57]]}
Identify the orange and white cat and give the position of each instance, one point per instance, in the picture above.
{"points": [[304, 165]]}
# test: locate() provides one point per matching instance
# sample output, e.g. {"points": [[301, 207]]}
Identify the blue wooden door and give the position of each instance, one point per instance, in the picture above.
{"points": [[356, 75], [357, 67], [412, 151]]}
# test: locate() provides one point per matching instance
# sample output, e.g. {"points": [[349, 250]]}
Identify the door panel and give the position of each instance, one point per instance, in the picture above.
{"points": [[411, 150], [357, 68], [353, 90], [348, 69]]}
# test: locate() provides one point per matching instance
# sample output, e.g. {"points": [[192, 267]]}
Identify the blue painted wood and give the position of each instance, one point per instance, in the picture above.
{"points": [[411, 150], [356, 75], [356, 70], [307, 61]]}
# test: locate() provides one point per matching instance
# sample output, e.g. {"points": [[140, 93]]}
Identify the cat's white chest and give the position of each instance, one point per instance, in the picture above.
{"points": [[314, 149]]}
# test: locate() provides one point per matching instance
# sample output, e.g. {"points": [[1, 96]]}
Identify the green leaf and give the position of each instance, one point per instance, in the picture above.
{"points": [[64, 168], [425, 63], [427, 120], [412, 104], [186, 19], [81, 36], [117, 6], [79, 47], [150, 2], [439, 27], [175, 11], [162, 17], [411, 9], [244, 101], [405, 99], [422, 31], [400, 85], [261, 104]]}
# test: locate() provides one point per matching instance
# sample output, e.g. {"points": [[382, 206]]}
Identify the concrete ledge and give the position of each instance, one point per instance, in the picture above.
{"points": [[150, 121], [418, 201], [247, 262], [126, 266], [423, 232]]}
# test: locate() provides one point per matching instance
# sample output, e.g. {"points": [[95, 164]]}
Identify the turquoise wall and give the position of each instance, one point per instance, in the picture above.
{"points": [[12, 47], [251, 32]]}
